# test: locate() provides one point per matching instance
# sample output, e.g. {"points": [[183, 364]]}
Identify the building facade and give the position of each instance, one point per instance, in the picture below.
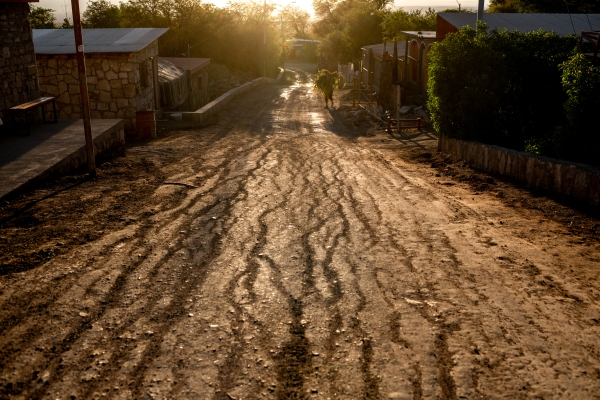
{"points": [[122, 73], [18, 75]]}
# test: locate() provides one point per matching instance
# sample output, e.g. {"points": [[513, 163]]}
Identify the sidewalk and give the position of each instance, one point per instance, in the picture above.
{"points": [[51, 148]]}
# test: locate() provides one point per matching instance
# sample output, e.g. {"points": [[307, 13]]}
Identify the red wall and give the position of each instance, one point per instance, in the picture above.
{"points": [[443, 28]]}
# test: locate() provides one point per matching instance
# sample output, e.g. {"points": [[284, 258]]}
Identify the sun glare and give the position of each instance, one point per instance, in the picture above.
{"points": [[59, 5]]}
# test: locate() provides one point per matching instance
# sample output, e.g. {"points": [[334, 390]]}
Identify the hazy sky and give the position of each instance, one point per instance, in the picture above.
{"points": [[58, 5]]}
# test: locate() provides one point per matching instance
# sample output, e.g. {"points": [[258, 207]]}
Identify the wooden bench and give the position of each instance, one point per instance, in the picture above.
{"points": [[34, 104]]}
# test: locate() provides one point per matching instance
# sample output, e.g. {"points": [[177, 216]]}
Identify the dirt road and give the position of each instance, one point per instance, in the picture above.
{"points": [[311, 261]]}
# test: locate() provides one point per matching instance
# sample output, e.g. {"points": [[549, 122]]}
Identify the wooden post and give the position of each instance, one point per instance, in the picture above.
{"points": [[85, 100], [354, 91]]}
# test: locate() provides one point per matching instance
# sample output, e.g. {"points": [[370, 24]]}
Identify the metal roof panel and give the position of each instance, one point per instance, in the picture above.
{"points": [[114, 40], [561, 24]]}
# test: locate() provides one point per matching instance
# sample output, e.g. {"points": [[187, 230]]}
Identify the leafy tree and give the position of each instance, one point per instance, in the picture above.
{"points": [[347, 25], [66, 24], [504, 6], [299, 21], [336, 47], [101, 14], [415, 20], [41, 18]]}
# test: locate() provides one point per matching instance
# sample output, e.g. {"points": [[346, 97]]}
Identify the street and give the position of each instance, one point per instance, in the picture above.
{"points": [[293, 257]]}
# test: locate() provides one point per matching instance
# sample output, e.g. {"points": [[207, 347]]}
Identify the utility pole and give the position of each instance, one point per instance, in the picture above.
{"points": [[83, 88], [265, 40], [282, 36], [480, 10]]}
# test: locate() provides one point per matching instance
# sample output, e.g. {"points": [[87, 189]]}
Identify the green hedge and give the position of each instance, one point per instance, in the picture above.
{"points": [[579, 138], [509, 89]]}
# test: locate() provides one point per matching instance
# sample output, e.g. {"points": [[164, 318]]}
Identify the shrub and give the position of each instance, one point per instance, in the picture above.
{"points": [[499, 87], [579, 138]]}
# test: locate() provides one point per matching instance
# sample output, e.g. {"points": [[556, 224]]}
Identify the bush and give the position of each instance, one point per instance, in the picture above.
{"points": [[579, 138], [499, 87]]}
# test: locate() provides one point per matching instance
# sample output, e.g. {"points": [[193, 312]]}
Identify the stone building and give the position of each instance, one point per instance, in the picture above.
{"points": [[196, 76], [121, 68], [18, 78]]}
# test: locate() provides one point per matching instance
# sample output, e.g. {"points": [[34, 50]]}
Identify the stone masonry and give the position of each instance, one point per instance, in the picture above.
{"points": [[572, 180], [18, 80], [119, 84]]}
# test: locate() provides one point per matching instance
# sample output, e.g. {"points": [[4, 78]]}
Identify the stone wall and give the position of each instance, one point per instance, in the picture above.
{"points": [[18, 80], [217, 104], [119, 84], [577, 181]]}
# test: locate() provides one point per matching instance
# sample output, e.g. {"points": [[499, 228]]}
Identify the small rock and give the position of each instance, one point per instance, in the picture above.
{"points": [[83, 314], [404, 110], [190, 315], [398, 396], [315, 354]]}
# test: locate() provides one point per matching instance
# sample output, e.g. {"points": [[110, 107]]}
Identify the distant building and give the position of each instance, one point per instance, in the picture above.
{"points": [[18, 75], [304, 49], [121, 68], [415, 76]]}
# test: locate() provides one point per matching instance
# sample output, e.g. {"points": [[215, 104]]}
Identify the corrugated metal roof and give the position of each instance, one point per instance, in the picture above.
{"points": [[114, 40], [188, 64], [558, 23], [389, 47]]}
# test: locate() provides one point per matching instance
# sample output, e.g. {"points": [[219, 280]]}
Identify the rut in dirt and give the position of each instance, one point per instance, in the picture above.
{"points": [[308, 263]]}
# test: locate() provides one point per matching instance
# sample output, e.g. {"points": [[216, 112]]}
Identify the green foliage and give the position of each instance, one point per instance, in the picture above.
{"points": [[232, 36], [457, 10], [345, 26], [401, 20], [499, 87], [579, 138], [41, 18], [66, 24], [326, 82], [101, 14], [299, 21]]}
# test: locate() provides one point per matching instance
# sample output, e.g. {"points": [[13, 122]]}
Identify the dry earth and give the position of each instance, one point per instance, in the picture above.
{"points": [[317, 258]]}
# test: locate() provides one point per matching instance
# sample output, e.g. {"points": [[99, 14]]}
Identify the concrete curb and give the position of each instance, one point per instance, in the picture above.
{"points": [[577, 181], [217, 104], [280, 75], [111, 138]]}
